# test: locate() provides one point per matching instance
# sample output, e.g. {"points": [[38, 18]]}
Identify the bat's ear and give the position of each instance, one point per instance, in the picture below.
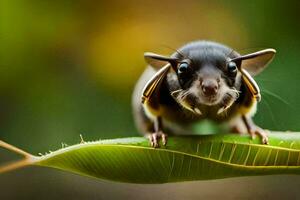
{"points": [[256, 62], [152, 87], [251, 65], [158, 61]]}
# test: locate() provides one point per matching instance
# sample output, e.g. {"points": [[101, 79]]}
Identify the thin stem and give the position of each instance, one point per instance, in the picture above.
{"points": [[27, 160], [15, 149]]}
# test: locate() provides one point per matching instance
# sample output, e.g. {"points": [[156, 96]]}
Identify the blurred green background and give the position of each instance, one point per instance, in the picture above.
{"points": [[68, 68]]}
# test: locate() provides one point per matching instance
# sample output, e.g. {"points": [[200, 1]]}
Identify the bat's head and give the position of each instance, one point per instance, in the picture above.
{"points": [[208, 73]]}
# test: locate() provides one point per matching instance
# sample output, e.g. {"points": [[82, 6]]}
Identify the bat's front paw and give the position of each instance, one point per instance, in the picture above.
{"points": [[155, 137], [255, 130]]}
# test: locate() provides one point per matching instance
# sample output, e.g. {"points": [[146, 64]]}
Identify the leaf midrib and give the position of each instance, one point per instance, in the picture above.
{"points": [[67, 149]]}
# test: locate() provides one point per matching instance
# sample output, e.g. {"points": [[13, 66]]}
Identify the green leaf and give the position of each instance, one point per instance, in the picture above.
{"points": [[183, 159]]}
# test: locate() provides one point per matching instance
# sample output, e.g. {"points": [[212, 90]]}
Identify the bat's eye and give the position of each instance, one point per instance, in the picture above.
{"points": [[232, 68], [184, 72], [183, 68]]}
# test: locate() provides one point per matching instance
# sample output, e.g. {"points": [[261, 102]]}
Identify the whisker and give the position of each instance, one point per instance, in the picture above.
{"points": [[230, 53], [277, 96], [267, 80], [233, 88], [235, 92], [185, 93], [271, 113], [178, 51]]}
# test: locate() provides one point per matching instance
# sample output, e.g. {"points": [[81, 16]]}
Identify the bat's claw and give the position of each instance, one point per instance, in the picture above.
{"points": [[154, 139], [255, 130]]}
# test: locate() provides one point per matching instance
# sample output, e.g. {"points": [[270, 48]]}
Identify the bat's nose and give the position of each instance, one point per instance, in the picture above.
{"points": [[209, 87]]}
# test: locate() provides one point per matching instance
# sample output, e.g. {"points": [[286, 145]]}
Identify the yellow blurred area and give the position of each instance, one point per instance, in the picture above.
{"points": [[116, 49]]}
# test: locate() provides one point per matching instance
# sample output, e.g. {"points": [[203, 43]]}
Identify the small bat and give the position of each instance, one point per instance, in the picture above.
{"points": [[201, 80]]}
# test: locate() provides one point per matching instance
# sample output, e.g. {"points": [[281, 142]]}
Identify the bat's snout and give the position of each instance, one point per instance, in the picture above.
{"points": [[209, 87]]}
